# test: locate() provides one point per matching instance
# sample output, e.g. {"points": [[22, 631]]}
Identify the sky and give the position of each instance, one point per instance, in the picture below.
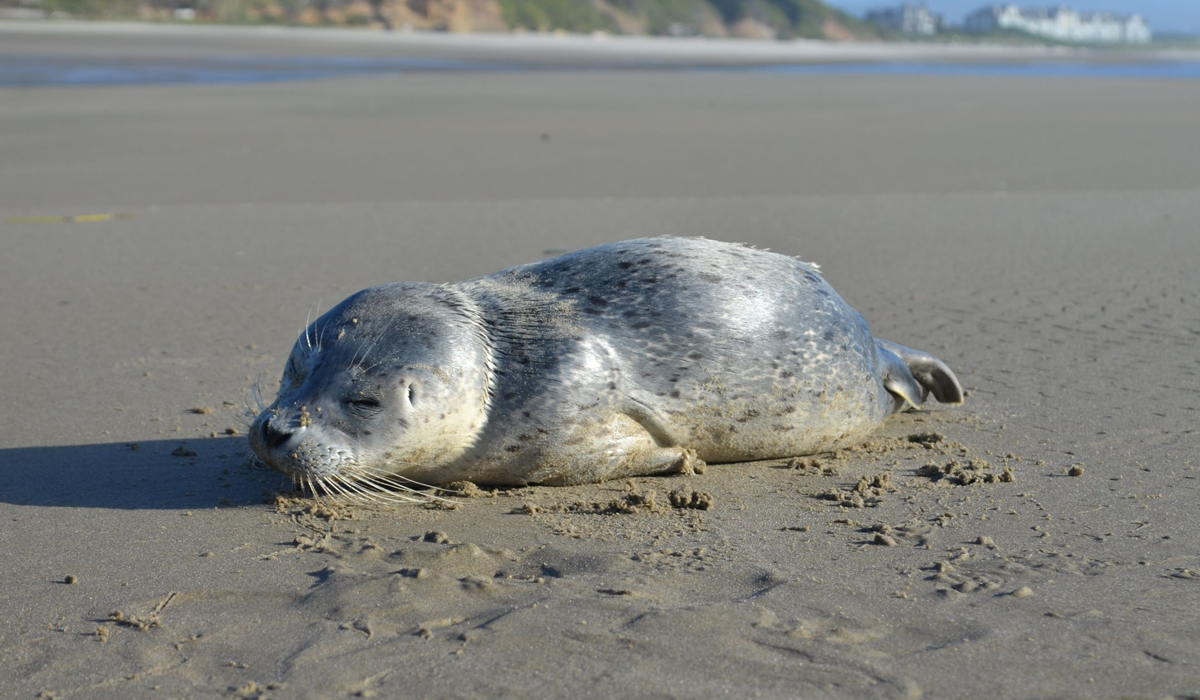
{"points": [[1171, 16]]}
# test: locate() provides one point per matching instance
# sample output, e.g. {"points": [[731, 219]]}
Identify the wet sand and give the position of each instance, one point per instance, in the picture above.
{"points": [[1038, 234]]}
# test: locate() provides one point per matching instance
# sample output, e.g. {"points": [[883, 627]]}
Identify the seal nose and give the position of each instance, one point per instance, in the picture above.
{"points": [[273, 437]]}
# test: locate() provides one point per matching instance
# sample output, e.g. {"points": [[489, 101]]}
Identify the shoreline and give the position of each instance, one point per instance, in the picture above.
{"points": [[577, 49]]}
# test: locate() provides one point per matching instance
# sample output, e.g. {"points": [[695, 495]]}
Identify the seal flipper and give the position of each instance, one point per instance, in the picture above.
{"points": [[898, 380], [928, 373]]}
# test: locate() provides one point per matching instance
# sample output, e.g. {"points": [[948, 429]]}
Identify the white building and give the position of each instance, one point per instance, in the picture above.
{"points": [[1061, 23], [910, 19]]}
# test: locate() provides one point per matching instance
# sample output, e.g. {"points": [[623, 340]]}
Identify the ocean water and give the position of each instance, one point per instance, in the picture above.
{"points": [[26, 70], [36, 70]]}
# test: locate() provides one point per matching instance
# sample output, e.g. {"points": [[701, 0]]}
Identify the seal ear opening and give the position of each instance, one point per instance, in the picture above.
{"points": [[931, 374]]}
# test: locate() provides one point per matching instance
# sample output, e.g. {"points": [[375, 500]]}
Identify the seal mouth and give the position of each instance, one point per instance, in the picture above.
{"points": [[327, 469]]}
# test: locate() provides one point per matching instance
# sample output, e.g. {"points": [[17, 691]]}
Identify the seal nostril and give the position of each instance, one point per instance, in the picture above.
{"points": [[274, 438], [279, 439]]}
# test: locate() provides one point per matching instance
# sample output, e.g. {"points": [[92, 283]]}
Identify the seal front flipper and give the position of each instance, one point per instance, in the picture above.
{"points": [[911, 375]]}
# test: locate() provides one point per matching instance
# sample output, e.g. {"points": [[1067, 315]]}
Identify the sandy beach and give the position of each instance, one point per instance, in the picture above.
{"points": [[164, 244]]}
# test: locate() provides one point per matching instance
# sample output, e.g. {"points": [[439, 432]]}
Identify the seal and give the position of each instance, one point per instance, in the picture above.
{"points": [[638, 357]]}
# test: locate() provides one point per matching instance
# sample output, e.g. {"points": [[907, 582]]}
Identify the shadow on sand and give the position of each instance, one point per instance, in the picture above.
{"points": [[166, 474]]}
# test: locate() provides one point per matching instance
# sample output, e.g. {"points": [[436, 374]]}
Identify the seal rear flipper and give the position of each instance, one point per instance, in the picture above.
{"points": [[898, 380], [930, 374]]}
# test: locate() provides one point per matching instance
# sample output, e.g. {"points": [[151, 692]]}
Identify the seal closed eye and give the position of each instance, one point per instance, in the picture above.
{"points": [[631, 358]]}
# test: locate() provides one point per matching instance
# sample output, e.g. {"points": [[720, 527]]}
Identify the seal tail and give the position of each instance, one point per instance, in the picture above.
{"points": [[911, 376]]}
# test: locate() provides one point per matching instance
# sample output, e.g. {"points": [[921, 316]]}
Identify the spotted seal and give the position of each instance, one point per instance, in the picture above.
{"points": [[637, 357]]}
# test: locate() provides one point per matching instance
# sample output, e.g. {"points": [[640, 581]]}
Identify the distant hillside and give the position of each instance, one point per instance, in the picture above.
{"points": [[766, 19], [759, 19]]}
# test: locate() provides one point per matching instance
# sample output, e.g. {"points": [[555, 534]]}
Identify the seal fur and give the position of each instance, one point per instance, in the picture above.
{"points": [[632, 358]]}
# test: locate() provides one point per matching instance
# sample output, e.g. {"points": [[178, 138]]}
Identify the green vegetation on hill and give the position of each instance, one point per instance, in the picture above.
{"points": [[760, 18], [668, 16], [548, 15], [788, 18], [800, 18]]}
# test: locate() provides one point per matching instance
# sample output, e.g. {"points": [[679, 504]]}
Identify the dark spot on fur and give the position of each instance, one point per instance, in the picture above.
{"points": [[612, 386], [625, 265], [827, 335], [597, 301], [512, 448], [571, 290], [640, 325], [786, 374], [510, 396], [675, 394], [695, 356]]}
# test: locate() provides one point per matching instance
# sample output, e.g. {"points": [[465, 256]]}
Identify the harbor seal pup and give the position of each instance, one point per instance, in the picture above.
{"points": [[632, 358]]}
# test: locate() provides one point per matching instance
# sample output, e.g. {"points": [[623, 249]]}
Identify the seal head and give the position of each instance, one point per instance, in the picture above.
{"points": [[394, 376]]}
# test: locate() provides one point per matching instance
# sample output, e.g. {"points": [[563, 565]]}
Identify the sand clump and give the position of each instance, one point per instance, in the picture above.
{"points": [[966, 472]]}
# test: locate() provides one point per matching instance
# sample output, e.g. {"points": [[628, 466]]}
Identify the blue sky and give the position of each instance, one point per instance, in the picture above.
{"points": [[1163, 15]]}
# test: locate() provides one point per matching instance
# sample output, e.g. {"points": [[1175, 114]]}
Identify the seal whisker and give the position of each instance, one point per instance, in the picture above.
{"points": [[356, 491], [368, 351], [308, 325], [363, 349], [364, 475], [331, 487], [354, 360], [346, 489], [323, 490], [370, 491], [256, 393], [384, 483], [317, 324], [381, 475]]}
